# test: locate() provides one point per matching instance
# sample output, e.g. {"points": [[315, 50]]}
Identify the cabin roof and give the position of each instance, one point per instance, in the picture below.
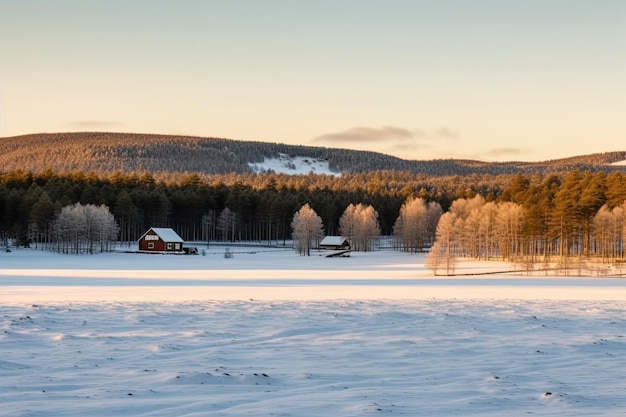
{"points": [[333, 240]]}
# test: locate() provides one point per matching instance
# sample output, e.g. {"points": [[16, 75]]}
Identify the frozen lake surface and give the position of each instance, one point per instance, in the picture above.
{"points": [[272, 333]]}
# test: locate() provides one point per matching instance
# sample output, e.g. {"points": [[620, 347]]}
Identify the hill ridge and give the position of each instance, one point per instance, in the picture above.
{"points": [[106, 152]]}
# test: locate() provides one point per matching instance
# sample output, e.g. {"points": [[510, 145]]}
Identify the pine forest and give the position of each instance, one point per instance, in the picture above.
{"points": [[565, 218]]}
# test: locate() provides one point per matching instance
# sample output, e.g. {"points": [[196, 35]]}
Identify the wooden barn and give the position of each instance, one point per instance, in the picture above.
{"points": [[335, 243], [161, 239]]}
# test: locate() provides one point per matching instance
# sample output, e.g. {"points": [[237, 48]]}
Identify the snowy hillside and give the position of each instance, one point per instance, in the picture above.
{"points": [[293, 165]]}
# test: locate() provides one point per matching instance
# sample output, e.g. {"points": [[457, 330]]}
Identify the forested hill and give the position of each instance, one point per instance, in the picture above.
{"points": [[126, 152]]}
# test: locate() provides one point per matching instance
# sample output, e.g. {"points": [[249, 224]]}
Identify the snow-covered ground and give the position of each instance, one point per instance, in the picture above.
{"points": [[293, 165], [269, 332]]}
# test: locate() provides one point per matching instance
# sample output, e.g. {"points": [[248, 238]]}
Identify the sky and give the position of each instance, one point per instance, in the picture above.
{"points": [[493, 80]]}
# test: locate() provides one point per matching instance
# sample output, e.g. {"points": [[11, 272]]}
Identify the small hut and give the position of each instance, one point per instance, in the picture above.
{"points": [[161, 239], [335, 243]]}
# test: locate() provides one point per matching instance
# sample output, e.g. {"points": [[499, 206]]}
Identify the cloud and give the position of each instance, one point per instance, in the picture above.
{"points": [[399, 141], [395, 135], [95, 124], [366, 134]]}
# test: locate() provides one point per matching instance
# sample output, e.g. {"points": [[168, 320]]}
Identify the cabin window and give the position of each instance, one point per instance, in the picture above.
{"points": [[177, 246], [169, 246], [150, 245]]}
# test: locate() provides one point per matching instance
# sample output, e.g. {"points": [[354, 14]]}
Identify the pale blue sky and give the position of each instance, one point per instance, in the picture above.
{"points": [[490, 80]]}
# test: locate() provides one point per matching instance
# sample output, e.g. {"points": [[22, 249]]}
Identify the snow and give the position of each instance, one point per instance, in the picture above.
{"points": [[293, 165], [166, 234], [333, 240], [268, 332]]}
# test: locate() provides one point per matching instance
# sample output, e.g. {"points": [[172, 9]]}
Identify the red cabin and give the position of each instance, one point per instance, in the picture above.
{"points": [[161, 239]]}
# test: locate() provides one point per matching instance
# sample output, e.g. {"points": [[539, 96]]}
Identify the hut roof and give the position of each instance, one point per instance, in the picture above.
{"points": [[166, 234], [333, 240]]}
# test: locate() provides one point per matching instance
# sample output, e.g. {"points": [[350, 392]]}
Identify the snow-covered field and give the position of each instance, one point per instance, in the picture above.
{"points": [[268, 332]]}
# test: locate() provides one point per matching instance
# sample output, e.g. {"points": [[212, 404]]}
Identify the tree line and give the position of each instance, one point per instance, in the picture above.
{"points": [[571, 214], [574, 222], [222, 207]]}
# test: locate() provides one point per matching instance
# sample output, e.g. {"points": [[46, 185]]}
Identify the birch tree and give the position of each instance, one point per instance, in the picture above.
{"points": [[415, 227], [308, 230], [359, 223], [478, 229], [465, 214], [509, 221], [226, 224], [609, 228], [443, 252], [84, 229]]}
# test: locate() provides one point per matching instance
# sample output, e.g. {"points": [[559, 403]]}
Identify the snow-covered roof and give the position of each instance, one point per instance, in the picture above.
{"points": [[333, 240], [165, 233]]}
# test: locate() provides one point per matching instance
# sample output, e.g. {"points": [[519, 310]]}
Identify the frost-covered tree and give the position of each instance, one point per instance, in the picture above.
{"points": [[84, 228], [308, 230], [444, 250], [509, 222], [359, 223], [481, 229], [485, 217], [609, 226], [415, 227], [465, 213], [226, 223]]}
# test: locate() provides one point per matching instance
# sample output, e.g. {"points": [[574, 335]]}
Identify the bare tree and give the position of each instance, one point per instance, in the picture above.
{"points": [[433, 214], [486, 215], [436, 257], [609, 227], [307, 228], [443, 252], [360, 224], [481, 229], [509, 221], [415, 227], [84, 228], [226, 224]]}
